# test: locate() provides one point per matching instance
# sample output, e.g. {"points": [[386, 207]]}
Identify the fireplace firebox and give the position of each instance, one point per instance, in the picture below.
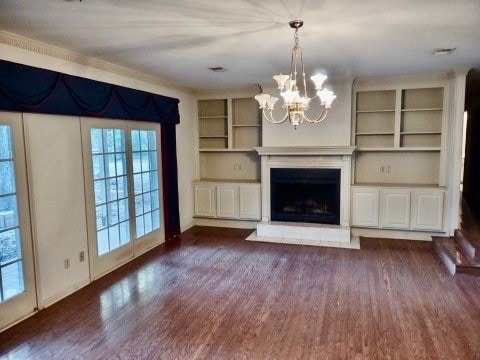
{"points": [[305, 195]]}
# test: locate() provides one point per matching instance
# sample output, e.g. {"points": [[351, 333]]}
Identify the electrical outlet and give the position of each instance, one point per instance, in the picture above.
{"points": [[67, 263], [82, 256], [237, 167], [388, 169]]}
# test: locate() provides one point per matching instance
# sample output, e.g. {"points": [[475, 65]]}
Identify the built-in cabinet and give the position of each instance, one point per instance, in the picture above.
{"points": [[229, 129], [398, 208], [399, 130], [400, 133], [227, 200]]}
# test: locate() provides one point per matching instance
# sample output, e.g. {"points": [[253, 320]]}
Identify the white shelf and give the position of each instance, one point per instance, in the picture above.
{"points": [[426, 109], [227, 150], [374, 111], [400, 149], [375, 133], [212, 117], [421, 133]]}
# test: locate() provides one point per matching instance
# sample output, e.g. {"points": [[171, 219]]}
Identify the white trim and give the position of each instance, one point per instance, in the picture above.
{"points": [[237, 224], [305, 150], [395, 234], [73, 57], [187, 226], [63, 294]]}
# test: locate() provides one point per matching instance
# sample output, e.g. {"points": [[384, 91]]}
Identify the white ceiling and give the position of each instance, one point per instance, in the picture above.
{"points": [[177, 40]]}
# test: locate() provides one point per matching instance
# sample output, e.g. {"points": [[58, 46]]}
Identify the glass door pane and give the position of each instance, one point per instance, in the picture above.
{"points": [[11, 261], [145, 181], [110, 183], [17, 279]]}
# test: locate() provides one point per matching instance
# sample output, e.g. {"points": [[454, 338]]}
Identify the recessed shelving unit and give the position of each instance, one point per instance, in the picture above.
{"points": [[229, 130], [399, 129]]}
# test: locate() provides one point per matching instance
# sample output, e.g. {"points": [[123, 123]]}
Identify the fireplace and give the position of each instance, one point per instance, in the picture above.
{"points": [[305, 195]]}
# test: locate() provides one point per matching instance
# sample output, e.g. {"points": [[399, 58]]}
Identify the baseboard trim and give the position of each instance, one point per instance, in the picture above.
{"points": [[187, 226], [62, 294], [396, 234], [18, 321], [238, 224]]}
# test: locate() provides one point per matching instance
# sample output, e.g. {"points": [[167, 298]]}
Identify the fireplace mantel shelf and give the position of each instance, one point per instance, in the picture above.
{"points": [[305, 150]]}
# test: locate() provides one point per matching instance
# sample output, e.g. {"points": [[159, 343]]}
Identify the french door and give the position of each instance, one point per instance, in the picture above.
{"points": [[123, 190], [17, 281]]}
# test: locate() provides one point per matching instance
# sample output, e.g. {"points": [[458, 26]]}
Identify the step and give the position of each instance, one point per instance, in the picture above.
{"points": [[456, 262], [469, 243]]}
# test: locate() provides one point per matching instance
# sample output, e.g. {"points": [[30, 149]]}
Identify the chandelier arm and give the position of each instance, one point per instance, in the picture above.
{"points": [[270, 118], [322, 116], [303, 74]]}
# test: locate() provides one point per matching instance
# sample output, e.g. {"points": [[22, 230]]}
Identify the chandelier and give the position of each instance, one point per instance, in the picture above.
{"points": [[294, 90]]}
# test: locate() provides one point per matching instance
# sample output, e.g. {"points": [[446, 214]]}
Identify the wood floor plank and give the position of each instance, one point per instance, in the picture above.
{"points": [[213, 295]]}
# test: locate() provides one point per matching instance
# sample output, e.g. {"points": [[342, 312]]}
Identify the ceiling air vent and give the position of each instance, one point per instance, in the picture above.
{"points": [[443, 51], [217, 69]]}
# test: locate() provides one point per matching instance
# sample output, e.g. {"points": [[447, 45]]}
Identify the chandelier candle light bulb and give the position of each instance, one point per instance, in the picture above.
{"points": [[294, 103]]}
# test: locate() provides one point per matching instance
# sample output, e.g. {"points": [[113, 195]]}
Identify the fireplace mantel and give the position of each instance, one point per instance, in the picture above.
{"points": [[305, 150], [305, 157]]}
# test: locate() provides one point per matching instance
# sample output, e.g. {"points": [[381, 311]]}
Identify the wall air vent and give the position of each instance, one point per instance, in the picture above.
{"points": [[217, 69], [443, 51]]}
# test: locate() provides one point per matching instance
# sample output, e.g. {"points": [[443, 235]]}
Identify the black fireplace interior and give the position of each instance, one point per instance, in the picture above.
{"points": [[305, 195]]}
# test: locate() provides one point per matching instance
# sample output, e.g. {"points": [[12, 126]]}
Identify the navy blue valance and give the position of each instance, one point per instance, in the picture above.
{"points": [[29, 89]]}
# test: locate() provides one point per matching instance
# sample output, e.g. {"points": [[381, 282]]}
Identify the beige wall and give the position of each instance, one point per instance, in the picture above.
{"points": [[185, 131], [54, 241], [335, 130]]}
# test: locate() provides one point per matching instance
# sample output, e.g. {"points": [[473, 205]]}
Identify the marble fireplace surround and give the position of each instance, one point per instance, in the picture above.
{"points": [[306, 157]]}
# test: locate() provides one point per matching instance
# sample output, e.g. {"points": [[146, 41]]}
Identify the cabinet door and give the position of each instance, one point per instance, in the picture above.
{"points": [[395, 205], [250, 202], [365, 207], [427, 210], [227, 201], [204, 200]]}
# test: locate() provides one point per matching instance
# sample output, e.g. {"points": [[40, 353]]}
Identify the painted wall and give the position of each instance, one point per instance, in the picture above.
{"points": [[57, 197], [335, 130], [185, 131], [55, 241]]}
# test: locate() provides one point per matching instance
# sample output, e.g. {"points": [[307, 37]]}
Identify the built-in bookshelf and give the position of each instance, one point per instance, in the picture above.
{"points": [[213, 124], [229, 129], [398, 134]]}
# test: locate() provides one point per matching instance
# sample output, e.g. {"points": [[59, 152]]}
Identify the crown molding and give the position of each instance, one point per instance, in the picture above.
{"points": [[379, 80], [73, 57]]}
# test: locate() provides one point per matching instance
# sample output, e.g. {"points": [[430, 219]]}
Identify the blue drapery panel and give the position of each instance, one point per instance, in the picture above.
{"points": [[29, 89]]}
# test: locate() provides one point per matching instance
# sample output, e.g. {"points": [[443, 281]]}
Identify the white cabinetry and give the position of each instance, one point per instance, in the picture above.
{"points": [[427, 209], [227, 200], [395, 208], [400, 208], [365, 206], [205, 200], [250, 202]]}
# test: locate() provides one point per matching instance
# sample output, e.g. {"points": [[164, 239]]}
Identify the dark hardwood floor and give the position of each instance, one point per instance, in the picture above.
{"points": [[213, 295]]}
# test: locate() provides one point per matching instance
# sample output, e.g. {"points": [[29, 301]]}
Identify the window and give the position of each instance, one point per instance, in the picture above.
{"points": [[11, 262], [110, 184], [145, 181], [125, 180]]}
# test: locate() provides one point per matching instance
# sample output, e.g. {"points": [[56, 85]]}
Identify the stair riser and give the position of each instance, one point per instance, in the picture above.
{"points": [[447, 261], [466, 246], [467, 270]]}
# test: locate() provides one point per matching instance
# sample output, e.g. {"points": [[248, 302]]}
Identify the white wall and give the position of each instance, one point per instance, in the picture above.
{"points": [[59, 236], [57, 198], [185, 131], [335, 130]]}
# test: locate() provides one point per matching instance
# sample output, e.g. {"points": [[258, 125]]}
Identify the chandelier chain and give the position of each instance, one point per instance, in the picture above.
{"points": [[295, 104]]}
